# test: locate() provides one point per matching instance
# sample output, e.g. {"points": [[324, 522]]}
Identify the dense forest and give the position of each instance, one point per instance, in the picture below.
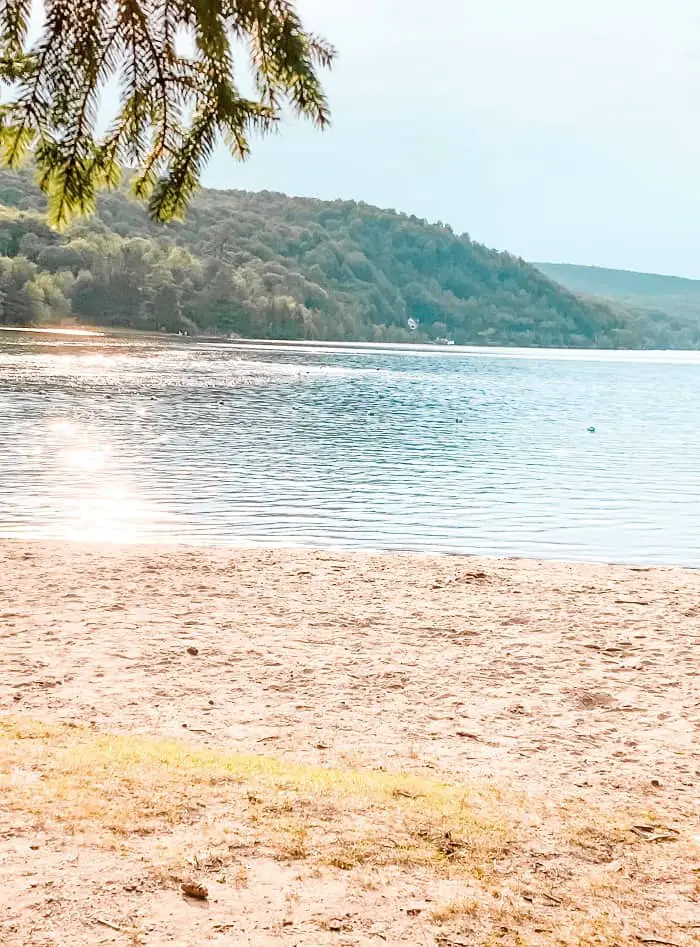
{"points": [[270, 266]]}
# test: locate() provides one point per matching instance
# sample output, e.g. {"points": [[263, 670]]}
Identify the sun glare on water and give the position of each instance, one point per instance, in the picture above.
{"points": [[94, 498], [87, 459], [76, 333], [109, 514]]}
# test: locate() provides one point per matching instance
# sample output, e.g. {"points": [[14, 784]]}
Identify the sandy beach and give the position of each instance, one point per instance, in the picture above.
{"points": [[563, 681]]}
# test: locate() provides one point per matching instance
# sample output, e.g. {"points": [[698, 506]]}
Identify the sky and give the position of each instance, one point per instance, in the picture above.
{"points": [[560, 130]]}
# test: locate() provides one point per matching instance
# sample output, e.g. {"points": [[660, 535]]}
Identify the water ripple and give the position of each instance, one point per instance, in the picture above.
{"points": [[459, 451]]}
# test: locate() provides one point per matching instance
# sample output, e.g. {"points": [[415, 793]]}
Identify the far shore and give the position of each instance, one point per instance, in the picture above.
{"points": [[690, 356]]}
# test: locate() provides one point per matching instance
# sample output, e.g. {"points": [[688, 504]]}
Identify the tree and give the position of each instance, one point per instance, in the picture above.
{"points": [[173, 61], [268, 266]]}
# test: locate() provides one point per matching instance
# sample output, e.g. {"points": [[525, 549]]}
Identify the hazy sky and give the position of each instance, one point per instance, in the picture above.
{"points": [[559, 130]]}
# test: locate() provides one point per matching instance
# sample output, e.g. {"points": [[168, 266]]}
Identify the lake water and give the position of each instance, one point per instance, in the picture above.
{"points": [[427, 449]]}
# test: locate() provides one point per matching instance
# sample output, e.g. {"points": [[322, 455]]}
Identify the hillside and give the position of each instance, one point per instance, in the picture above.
{"points": [[668, 299], [267, 265]]}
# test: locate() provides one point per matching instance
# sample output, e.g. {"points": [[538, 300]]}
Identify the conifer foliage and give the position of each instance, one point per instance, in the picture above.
{"points": [[173, 64]]}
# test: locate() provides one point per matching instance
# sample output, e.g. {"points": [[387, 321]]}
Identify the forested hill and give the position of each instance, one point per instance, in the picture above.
{"points": [[268, 265], [669, 301]]}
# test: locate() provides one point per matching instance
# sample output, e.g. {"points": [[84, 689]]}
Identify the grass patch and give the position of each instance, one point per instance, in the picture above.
{"points": [[459, 908], [506, 869], [122, 786]]}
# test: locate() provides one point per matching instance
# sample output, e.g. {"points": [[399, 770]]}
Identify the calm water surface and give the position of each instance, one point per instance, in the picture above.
{"points": [[436, 449]]}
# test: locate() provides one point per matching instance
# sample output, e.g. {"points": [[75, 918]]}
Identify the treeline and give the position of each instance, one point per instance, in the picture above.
{"points": [[271, 266]]}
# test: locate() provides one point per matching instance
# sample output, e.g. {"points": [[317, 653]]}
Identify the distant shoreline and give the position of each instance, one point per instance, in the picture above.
{"points": [[676, 356], [495, 351]]}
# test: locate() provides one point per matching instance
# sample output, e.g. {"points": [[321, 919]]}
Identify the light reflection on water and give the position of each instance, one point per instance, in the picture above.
{"points": [[138, 440]]}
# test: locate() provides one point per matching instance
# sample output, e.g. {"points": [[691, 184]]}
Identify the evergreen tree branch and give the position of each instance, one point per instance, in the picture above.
{"points": [[55, 86]]}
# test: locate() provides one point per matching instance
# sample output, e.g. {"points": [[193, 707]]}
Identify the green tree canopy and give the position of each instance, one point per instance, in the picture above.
{"points": [[269, 266], [173, 64]]}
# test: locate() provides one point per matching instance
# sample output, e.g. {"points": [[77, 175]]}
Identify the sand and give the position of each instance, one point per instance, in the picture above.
{"points": [[560, 679], [559, 675]]}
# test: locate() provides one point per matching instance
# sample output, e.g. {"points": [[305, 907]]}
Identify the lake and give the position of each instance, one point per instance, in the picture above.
{"points": [[435, 449]]}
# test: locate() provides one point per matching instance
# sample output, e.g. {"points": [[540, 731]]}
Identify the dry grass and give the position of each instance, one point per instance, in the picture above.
{"points": [[124, 786], [517, 870], [462, 907]]}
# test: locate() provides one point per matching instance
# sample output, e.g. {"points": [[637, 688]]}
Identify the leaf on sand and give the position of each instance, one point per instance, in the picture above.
{"points": [[655, 833], [192, 889]]}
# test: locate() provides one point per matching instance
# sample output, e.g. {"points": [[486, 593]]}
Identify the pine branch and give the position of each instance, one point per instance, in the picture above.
{"points": [[15, 23], [55, 88]]}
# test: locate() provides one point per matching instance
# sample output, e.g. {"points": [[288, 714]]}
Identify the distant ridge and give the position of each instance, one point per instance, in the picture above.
{"points": [[620, 284], [671, 302]]}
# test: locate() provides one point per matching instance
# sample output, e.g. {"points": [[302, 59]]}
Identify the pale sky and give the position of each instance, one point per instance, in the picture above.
{"points": [[559, 130]]}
